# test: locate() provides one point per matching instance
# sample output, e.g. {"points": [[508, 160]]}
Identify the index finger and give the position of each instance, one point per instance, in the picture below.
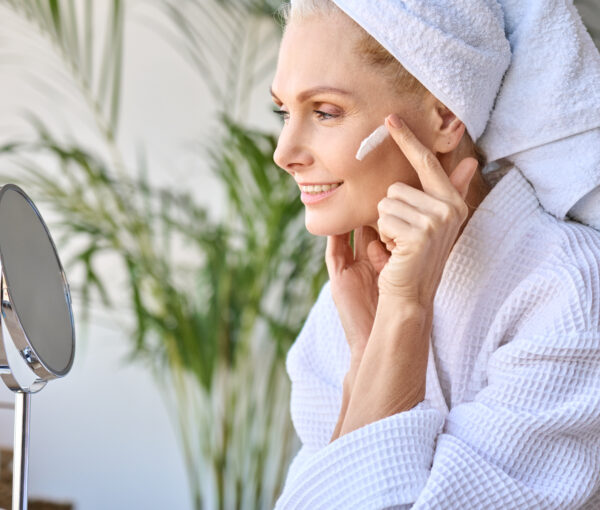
{"points": [[432, 175]]}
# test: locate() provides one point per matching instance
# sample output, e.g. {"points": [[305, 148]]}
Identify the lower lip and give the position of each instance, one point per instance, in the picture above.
{"points": [[312, 198]]}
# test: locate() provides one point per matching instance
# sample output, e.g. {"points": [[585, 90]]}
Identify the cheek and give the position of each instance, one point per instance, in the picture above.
{"points": [[337, 154], [381, 168], [392, 166], [365, 184]]}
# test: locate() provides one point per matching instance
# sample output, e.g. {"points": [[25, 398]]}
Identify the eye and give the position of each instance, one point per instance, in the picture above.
{"points": [[283, 115], [324, 115], [321, 115]]}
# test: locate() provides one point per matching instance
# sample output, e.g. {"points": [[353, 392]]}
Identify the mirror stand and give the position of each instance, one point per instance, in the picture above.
{"points": [[22, 415], [21, 449], [23, 383]]}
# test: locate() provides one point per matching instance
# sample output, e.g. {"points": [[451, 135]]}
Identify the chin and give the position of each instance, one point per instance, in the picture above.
{"points": [[318, 227]]}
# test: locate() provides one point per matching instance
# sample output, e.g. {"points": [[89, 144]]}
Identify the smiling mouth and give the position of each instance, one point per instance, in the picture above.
{"points": [[315, 196], [317, 189]]}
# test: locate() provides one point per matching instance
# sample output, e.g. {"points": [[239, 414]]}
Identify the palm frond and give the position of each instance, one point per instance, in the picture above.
{"points": [[236, 300], [73, 43], [232, 39]]}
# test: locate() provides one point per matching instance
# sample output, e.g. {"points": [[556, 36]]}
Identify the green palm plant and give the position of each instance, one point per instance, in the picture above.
{"points": [[70, 32], [216, 332], [216, 303]]}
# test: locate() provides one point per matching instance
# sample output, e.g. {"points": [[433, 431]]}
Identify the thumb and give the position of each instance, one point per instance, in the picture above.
{"points": [[378, 255], [462, 175], [363, 236]]}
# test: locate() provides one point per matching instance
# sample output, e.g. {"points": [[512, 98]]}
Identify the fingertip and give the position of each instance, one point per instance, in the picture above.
{"points": [[474, 163], [395, 121]]}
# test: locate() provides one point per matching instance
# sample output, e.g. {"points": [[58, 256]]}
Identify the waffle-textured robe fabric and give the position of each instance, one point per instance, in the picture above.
{"points": [[511, 416]]}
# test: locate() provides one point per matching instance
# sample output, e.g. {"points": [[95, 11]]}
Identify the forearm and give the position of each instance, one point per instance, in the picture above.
{"points": [[391, 375], [347, 391]]}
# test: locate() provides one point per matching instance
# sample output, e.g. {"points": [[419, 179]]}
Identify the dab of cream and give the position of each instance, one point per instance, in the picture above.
{"points": [[372, 141]]}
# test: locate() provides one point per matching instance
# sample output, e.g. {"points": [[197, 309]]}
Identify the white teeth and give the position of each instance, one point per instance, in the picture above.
{"points": [[319, 188]]}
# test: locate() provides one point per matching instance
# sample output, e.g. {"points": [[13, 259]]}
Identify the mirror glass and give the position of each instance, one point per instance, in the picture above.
{"points": [[35, 282]]}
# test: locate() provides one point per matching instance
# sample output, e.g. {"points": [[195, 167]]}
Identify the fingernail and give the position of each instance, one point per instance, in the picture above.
{"points": [[395, 121]]}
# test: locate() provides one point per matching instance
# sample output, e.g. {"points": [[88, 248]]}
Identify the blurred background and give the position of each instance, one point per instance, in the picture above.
{"points": [[143, 131]]}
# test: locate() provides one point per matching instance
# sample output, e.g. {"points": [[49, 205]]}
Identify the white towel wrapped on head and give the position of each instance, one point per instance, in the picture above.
{"points": [[523, 75]]}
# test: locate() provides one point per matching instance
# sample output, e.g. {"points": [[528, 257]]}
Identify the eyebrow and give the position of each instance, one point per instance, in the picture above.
{"points": [[307, 94]]}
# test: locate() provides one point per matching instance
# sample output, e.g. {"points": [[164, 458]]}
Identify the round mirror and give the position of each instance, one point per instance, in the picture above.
{"points": [[36, 303]]}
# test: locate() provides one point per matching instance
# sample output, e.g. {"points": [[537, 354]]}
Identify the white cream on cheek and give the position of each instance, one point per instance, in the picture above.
{"points": [[372, 141]]}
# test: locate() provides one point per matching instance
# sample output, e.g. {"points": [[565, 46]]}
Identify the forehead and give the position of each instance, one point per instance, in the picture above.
{"points": [[319, 50]]}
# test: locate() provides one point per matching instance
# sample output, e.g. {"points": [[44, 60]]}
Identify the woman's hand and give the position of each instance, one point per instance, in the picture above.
{"points": [[353, 277], [418, 227]]}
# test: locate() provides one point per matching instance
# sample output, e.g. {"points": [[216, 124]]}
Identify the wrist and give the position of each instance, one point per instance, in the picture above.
{"points": [[400, 335], [408, 299], [350, 377], [400, 312]]}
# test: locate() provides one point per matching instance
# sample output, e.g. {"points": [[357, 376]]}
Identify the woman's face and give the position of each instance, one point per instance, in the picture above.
{"points": [[331, 100]]}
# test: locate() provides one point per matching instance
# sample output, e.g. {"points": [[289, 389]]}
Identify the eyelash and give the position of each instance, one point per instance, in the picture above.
{"points": [[323, 115]]}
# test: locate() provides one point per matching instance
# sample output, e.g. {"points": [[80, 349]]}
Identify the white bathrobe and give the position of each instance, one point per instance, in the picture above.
{"points": [[511, 418]]}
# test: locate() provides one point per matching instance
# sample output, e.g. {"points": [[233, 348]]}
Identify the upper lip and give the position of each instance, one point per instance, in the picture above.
{"points": [[316, 183]]}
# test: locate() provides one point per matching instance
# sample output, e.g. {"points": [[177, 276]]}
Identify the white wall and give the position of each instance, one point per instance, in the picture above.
{"points": [[101, 437]]}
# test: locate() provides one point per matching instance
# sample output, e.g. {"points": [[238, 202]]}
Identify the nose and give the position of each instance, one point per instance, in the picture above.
{"points": [[292, 153]]}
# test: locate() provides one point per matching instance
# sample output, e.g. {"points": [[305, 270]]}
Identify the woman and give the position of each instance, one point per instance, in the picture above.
{"points": [[453, 359]]}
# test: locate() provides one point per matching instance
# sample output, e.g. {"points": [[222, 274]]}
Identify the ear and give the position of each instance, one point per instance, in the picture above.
{"points": [[448, 129]]}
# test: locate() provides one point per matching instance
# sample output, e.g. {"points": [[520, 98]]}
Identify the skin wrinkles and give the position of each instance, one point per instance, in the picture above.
{"points": [[337, 105]]}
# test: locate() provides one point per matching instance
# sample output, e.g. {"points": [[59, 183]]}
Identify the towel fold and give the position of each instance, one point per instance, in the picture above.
{"points": [[547, 114]]}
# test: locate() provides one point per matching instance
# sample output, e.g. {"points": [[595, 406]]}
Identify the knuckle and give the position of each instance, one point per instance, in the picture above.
{"points": [[385, 225], [445, 212], [460, 210], [429, 159], [449, 212], [395, 189], [429, 226], [383, 203], [463, 211], [403, 137]]}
